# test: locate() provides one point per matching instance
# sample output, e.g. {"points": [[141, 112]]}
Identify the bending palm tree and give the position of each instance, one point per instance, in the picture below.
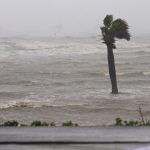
{"points": [[113, 29]]}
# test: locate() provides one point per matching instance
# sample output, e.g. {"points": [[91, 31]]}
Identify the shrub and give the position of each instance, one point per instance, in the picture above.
{"points": [[141, 122], [131, 123], [69, 124], [118, 122], [37, 123], [11, 123], [45, 124]]}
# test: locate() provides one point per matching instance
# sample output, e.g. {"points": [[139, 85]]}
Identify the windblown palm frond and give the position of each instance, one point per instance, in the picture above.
{"points": [[119, 29], [114, 29], [108, 20]]}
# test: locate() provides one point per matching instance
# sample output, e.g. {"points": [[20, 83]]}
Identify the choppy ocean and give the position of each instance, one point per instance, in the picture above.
{"points": [[36, 72]]}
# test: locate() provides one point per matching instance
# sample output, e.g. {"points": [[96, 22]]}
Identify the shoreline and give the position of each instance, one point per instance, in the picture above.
{"points": [[78, 114]]}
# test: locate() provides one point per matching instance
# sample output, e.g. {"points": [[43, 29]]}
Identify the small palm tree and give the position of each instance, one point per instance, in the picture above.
{"points": [[113, 29]]}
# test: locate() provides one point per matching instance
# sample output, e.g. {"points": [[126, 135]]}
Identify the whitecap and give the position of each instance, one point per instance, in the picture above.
{"points": [[146, 73]]}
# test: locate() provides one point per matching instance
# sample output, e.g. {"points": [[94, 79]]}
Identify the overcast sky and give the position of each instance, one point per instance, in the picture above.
{"points": [[70, 17]]}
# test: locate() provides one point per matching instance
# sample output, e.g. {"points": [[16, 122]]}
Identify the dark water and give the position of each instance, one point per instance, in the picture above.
{"points": [[71, 71]]}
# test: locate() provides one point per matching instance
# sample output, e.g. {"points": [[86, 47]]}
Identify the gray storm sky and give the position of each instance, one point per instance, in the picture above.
{"points": [[70, 17]]}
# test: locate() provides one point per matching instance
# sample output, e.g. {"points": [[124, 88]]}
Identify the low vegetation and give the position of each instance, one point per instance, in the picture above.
{"points": [[36, 123], [12, 123], [121, 122], [69, 124], [141, 122], [52, 124], [118, 122]]}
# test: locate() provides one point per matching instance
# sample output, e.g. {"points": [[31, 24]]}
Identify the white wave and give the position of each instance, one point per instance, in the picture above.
{"points": [[146, 73], [16, 104], [130, 73], [58, 47], [118, 73], [52, 46], [36, 104], [133, 44]]}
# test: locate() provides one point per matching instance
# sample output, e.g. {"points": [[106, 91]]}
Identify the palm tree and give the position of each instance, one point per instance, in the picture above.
{"points": [[113, 29]]}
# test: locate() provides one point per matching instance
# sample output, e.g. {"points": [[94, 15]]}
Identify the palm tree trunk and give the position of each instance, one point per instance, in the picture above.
{"points": [[112, 70]]}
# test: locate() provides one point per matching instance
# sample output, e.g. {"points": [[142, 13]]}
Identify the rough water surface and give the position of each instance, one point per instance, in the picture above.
{"points": [[67, 79]]}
